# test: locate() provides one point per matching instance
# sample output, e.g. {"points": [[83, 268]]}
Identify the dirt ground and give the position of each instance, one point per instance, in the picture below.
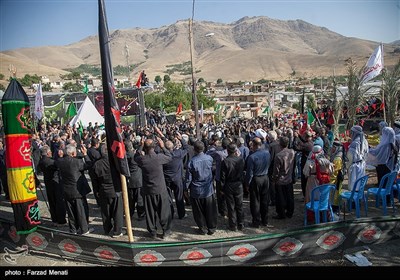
{"points": [[186, 229]]}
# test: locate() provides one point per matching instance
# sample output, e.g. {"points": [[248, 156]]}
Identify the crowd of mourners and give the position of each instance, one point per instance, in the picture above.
{"points": [[171, 170]]}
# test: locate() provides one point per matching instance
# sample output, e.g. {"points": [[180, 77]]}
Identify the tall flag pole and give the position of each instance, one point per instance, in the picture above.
{"points": [[20, 175], [115, 146]]}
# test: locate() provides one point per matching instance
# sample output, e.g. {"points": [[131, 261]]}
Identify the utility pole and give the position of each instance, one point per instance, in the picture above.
{"points": [[194, 95], [127, 61]]}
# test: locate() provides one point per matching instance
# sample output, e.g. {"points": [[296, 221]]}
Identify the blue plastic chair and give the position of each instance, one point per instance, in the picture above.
{"points": [[396, 186], [323, 205], [384, 190], [357, 196]]}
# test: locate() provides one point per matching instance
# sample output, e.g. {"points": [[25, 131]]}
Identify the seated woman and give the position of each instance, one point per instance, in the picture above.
{"points": [[318, 170]]}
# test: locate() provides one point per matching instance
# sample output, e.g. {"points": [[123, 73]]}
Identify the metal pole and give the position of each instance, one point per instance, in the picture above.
{"points": [[142, 117], [194, 95]]}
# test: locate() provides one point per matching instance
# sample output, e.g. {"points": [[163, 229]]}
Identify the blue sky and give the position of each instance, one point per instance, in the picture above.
{"points": [[31, 23]]}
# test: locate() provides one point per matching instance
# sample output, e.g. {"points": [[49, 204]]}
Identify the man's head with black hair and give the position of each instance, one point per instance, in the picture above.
{"points": [[198, 147], [225, 143], [284, 141], [231, 148]]}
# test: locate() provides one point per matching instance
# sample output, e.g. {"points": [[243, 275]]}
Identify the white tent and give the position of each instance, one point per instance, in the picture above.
{"points": [[87, 113]]}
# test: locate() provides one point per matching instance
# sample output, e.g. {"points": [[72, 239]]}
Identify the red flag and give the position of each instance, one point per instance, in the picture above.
{"points": [[373, 106], [139, 81], [179, 108], [303, 128], [115, 145], [358, 110], [382, 107]]}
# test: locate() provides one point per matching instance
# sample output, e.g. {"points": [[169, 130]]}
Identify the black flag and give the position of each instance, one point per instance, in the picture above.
{"points": [[115, 145]]}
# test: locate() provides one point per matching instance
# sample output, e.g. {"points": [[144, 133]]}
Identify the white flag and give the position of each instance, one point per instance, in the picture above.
{"points": [[374, 65], [39, 106]]}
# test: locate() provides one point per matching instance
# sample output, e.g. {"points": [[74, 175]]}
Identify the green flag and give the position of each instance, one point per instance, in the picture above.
{"points": [[80, 128], [266, 110], [217, 108], [161, 105], [71, 110], [310, 117], [86, 88]]}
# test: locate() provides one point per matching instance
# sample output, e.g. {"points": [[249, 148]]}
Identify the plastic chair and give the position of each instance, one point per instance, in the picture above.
{"points": [[384, 190], [396, 186], [357, 196], [323, 205]]}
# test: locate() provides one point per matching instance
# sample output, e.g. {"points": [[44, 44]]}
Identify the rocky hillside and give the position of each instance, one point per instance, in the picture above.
{"points": [[251, 48]]}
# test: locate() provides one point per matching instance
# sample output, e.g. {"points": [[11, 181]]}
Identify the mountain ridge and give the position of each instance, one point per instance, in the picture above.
{"points": [[251, 48]]}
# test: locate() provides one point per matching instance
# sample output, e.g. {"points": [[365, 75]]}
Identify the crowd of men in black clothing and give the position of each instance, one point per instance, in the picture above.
{"points": [[233, 159]]}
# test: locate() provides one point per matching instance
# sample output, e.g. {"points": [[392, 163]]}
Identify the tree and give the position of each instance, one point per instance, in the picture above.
{"points": [[289, 89], [219, 81], [262, 81], [1, 76], [28, 80], [46, 87], [297, 106], [72, 87], [311, 102], [167, 78], [2, 87], [391, 91], [75, 75], [157, 79], [337, 108], [355, 92], [200, 80], [173, 94], [206, 100]]}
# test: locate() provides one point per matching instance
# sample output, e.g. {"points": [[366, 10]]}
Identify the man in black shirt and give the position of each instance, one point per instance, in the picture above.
{"points": [[135, 183], [232, 186], [70, 168], [110, 199], [173, 173], [156, 198], [54, 190], [94, 155]]}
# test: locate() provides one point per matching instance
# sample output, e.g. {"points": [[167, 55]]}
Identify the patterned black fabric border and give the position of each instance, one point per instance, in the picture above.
{"points": [[245, 250]]}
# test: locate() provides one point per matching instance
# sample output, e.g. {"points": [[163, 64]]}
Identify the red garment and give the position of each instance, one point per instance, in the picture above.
{"points": [[179, 108], [311, 216], [139, 81], [322, 177], [330, 118], [346, 146]]}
